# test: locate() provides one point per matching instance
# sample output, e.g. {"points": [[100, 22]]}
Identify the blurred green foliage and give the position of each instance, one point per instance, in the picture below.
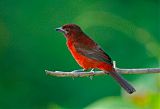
{"points": [[127, 30]]}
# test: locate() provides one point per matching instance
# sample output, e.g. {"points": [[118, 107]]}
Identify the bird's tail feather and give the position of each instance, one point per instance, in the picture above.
{"points": [[128, 87]]}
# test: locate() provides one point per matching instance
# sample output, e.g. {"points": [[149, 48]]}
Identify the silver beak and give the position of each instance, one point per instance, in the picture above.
{"points": [[60, 29]]}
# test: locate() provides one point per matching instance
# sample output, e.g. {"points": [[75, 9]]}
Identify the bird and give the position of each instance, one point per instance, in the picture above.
{"points": [[89, 55]]}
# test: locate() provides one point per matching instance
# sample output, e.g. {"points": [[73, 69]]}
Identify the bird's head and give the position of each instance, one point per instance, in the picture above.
{"points": [[70, 30]]}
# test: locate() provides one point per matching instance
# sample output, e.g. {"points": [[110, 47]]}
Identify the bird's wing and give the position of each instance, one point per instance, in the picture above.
{"points": [[93, 53]]}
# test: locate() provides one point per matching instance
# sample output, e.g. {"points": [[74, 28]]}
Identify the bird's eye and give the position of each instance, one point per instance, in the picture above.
{"points": [[67, 29]]}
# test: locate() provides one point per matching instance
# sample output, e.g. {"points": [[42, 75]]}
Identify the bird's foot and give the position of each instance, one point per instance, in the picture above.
{"points": [[92, 71], [79, 70]]}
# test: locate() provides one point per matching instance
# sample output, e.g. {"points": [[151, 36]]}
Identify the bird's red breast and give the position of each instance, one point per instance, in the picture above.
{"points": [[84, 45]]}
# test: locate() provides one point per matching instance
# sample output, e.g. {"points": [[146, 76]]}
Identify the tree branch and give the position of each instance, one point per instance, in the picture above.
{"points": [[98, 73]]}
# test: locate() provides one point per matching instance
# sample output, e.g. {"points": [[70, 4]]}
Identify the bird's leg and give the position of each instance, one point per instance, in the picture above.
{"points": [[79, 70], [92, 71]]}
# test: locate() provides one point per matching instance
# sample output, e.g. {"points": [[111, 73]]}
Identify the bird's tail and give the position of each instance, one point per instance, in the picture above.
{"points": [[128, 87]]}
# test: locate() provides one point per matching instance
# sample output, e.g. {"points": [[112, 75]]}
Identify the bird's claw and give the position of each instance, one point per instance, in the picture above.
{"points": [[92, 71], [73, 78], [91, 77]]}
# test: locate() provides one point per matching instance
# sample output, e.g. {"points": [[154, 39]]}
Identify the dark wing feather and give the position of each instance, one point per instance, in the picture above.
{"points": [[93, 52]]}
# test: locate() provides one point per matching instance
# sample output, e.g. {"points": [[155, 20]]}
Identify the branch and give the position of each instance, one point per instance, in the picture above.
{"points": [[98, 73]]}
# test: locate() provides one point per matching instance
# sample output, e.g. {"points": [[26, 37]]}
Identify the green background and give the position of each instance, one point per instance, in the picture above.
{"points": [[127, 30]]}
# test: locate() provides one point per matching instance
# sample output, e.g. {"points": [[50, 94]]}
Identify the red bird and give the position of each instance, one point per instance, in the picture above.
{"points": [[89, 55]]}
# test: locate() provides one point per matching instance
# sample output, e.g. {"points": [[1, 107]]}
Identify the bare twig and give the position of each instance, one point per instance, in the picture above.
{"points": [[98, 73]]}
